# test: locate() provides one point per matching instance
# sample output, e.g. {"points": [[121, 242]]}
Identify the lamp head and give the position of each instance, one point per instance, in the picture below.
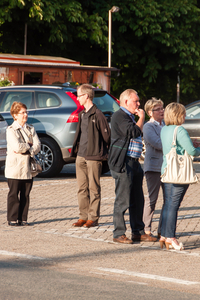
{"points": [[114, 9]]}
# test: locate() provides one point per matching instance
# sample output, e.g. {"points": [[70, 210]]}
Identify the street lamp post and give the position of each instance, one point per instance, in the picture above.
{"points": [[114, 9], [25, 39]]}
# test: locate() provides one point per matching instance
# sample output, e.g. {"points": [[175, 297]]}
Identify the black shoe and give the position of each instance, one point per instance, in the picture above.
{"points": [[13, 223], [25, 223]]}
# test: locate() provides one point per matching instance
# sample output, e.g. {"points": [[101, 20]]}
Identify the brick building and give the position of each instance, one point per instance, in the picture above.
{"points": [[34, 69]]}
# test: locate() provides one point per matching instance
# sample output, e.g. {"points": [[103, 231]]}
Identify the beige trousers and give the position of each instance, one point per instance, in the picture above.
{"points": [[88, 174]]}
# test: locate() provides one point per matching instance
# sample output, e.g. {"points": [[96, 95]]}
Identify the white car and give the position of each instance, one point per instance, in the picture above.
{"points": [[3, 143]]}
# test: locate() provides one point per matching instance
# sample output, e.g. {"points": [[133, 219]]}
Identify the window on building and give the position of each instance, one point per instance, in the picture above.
{"points": [[32, 78]]}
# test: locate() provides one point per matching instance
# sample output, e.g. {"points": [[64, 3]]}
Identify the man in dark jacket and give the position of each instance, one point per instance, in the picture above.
{"points": [[91, 145], [125, 150]]}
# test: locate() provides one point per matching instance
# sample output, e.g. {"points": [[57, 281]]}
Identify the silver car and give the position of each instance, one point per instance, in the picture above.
{"points": [[3, 144], [192, 120], [53, 111]]}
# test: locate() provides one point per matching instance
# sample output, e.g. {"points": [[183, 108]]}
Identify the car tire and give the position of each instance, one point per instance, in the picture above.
{"points": [[50, 158]]}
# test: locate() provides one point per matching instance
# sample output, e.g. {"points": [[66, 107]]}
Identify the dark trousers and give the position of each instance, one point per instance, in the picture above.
{"points": [[18, 199], [129, 194]]}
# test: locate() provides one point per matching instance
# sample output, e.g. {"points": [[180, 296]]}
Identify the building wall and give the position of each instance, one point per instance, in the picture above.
{"points": [[50, 75]]}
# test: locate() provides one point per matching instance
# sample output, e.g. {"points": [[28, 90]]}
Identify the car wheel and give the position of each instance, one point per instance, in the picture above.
{"points": [[143, 150], [50, 158]]}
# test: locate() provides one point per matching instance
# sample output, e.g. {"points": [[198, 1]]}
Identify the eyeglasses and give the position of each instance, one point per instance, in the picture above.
{"points": [[23, 113], [158, 109], [79, 96]]}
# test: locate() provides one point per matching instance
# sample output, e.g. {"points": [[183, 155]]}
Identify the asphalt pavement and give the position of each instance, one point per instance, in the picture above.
{"points": [[51, 247]]}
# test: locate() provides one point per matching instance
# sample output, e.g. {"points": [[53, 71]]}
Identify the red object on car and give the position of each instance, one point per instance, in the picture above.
{"points": [[74, 115]]}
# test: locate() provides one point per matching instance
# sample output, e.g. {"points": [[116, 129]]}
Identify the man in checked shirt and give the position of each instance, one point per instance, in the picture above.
{"points": [[125, 150]]}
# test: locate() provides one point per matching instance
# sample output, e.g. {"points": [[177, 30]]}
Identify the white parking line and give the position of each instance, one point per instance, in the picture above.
{"points": [[8, 253], [148, 276]]}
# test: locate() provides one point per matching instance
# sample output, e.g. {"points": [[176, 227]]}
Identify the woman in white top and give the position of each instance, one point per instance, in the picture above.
{"points": [[22, 142]]}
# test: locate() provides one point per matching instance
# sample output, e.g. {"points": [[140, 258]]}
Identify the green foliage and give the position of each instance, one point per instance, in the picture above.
{"points": [[5, 82], [152, 40], [163, 39], [61, 21]]}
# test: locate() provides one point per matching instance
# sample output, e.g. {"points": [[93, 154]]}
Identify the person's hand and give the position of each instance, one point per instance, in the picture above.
{"points": [[26, 153], [30, 144], [195, 143], [140, 113]]}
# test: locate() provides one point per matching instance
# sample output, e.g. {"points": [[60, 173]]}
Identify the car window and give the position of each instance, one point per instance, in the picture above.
{"points": [[45, 100], [105, 102], [10, 97], [193, 112]]}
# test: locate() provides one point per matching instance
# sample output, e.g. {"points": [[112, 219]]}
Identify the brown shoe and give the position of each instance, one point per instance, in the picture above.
{"points": [[90, 223], [79, 223], [144, 238], [122, 239]]}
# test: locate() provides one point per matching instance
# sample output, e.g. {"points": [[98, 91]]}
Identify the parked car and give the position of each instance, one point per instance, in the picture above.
{"points": [[53, 111], [192, 120], [3, 143]]}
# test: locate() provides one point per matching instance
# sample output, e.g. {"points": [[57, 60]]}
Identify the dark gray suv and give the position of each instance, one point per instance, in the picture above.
{"points": [[53, 111]]}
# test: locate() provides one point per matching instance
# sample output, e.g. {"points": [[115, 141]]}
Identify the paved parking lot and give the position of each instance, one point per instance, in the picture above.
{"points": [[53, 210]]}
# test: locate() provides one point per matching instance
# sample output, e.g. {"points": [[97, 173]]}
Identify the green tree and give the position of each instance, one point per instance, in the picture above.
{"points": [[158, 40], [153, 40], [54, 27]]}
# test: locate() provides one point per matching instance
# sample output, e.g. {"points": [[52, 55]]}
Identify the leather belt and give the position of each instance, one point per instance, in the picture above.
{"points": [[133, 158]]}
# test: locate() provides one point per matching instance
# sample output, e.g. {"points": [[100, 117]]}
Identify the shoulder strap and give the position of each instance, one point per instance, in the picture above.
{"points": [[21, 135], [174, 136]]}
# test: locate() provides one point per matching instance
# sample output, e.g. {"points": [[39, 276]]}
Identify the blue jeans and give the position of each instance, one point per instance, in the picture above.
{"points": [[173, 195], [129, 194]]}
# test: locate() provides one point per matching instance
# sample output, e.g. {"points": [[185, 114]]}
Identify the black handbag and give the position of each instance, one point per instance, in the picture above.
{"points": [[35, 166]]}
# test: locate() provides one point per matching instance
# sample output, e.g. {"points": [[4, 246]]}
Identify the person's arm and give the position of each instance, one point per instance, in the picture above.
{"points": [[35, 148], [185, 142], [124, 125], [14, 142], [141, 114], [104, 128], [151, 136]]}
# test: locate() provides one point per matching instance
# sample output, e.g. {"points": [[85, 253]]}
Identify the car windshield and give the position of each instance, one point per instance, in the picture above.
{"points": [[193, 112], [105, 102]]}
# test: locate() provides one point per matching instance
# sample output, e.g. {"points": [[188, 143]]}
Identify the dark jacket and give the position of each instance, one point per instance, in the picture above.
{"points": [[122, 130], [98, 135]]}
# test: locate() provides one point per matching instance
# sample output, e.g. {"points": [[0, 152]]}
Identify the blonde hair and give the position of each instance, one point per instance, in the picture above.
{"points": [[126, 94], [151, 103], [87, 89], [174, 113], [16, 107]]}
